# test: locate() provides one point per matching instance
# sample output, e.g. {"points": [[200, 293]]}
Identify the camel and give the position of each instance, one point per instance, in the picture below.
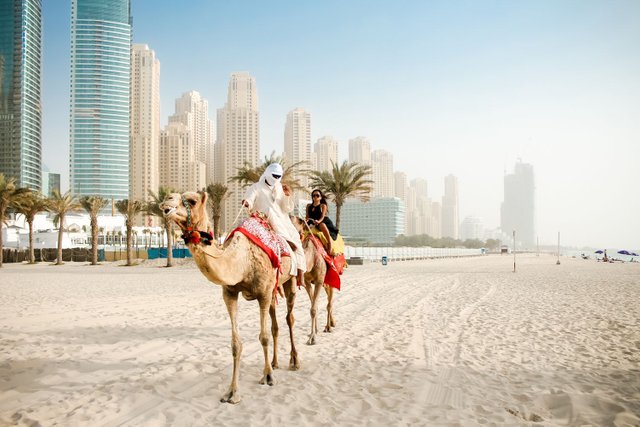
{"points": [[316, 270], [240, 267]]}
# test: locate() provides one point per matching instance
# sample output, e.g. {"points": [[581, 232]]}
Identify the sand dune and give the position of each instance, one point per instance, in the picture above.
{"points": [[439, 342]]}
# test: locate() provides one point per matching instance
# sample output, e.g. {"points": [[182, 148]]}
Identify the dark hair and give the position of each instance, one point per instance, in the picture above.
{"points": [[323, 200]]}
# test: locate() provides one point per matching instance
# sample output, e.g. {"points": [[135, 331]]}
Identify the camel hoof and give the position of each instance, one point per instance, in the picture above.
{"points": [[267, 379], [275, 365], [327, 328], [312, 340], [294, 365], [231, 397]]}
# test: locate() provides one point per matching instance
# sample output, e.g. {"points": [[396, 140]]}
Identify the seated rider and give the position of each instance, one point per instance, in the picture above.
{"points": [[272, 198], [317, 216]]}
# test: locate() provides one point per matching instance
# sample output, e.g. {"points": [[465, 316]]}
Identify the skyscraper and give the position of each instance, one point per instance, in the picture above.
{"points": [[145, 122], [518, 209], [237, 140], [326, 151], [20, 111], [100, 98], [382, 168], [179, 168], [192, 110], [360, 151], [450, 220], [297, 141]]}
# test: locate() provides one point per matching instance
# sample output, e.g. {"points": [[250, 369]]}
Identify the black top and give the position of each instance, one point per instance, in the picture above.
{"points": [[315, 212]]}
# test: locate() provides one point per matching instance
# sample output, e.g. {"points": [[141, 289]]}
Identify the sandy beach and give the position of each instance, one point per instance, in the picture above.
{"points": [[437, 342]]}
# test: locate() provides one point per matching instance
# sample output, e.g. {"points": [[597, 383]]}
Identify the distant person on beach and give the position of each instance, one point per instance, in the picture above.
{"points": [[317, 216], [605, 258]]}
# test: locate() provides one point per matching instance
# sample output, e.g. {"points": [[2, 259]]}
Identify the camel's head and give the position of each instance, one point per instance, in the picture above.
{"points": [[187, 210]]}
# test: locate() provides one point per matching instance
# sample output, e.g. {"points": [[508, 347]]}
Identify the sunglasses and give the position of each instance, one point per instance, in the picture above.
{"points": [[276, 176], [315, 195]]}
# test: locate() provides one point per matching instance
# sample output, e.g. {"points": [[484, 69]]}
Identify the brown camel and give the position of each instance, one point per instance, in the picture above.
{"points": [[316, 270], [240, 266]]}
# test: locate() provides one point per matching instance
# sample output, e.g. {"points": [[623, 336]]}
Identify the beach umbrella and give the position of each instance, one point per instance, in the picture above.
{"points": [[598, 251], [634, 254], [624, 252]]}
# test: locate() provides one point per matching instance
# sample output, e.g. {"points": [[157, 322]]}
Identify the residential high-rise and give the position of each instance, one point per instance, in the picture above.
{"points": [[382, 168], [179, 168], [360, 151], [450, 221], [518, 209], [471, 228], [193, 111], [100, 98], [326, 151], [238, 140], [145, 124], [297, 142], [20, 82]]}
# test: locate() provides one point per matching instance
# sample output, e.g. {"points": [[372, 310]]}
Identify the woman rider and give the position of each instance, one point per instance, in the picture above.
{"points": [[317, 216]]}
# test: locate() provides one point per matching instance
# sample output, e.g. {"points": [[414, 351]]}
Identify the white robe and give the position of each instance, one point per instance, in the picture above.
{"points": [[275, 205]]}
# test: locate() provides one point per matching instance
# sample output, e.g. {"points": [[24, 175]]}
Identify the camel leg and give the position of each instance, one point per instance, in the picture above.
{"points": [[290, 293], [314, 313], [265, 302], [274, 333], [231, 301], [331, 323]]}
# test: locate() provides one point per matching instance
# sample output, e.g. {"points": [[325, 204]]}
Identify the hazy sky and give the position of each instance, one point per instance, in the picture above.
{"points": [[461, 87]]}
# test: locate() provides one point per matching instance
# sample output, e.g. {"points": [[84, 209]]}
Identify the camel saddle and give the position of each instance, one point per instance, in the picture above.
{"points": [[259, 231]]}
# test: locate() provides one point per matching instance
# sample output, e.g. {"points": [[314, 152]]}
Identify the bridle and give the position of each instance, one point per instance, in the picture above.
{"points": [[189, 235]]}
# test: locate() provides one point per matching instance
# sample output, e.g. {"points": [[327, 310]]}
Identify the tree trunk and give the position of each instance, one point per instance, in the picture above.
{"points": [[1, 240], [60, 231], [216, 226], [94, 240], [129, 246], [169, 246], [338, 209], [32, 256]]}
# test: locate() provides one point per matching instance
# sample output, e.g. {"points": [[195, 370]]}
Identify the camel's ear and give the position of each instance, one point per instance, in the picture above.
{"points": [[203, 197]]}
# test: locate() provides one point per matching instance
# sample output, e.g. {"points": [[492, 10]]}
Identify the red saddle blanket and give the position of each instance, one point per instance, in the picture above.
{"points": [[335, 265], [260, 232]]}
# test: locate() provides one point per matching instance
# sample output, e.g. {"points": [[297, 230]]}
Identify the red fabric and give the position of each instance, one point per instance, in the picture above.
{"points": [[262, 235], [332, 277]]}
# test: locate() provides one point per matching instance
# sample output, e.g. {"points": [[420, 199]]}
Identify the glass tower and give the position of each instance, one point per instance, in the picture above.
{"points": [[20, 107], [100, 98]]}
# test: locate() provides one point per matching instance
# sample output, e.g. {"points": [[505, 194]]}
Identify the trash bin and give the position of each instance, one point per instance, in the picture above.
{"points": [[385, 260]]}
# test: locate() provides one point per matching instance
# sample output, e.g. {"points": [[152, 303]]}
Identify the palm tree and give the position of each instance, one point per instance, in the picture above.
{"points": [[129, 208], [153, 208], [61, 205], [30, 204], [93, 205], [9, 194], [217, 194], [249, 174], [342, 182]]}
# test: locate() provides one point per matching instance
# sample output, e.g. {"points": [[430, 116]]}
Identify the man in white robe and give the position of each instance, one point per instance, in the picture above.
{"points": [[270, 197]]}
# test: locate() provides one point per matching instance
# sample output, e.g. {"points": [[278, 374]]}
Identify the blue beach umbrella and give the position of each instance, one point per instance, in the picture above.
{"points": [[624, 252], [598, 251], [634, 254]]}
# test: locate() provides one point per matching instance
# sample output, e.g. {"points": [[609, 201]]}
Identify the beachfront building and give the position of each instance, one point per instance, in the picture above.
{"points": [[237, 139], [450, 218], [100, 98], [179, 168], [378, 221], [20, 93], [360, 151], [382, 173], [518, 209], [50, 181], [193, 111], [145, 127], [297, 143], [326, 153], [472, 228]]}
